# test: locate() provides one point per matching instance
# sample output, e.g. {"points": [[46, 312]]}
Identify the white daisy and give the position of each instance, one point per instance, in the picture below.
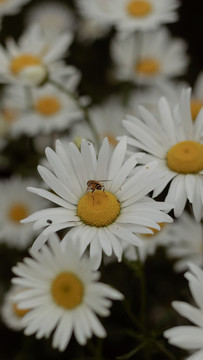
{"points": [[89, 30], [197, 96], [106, 120], [151, 242], [130, 15], [149, 57], [63, 295], [102, 218], [175, 141], [32, 60], [11, 7], [11, 314], [53, 17], [45, 109], [187, 243], [190, 337], [16, 203]]}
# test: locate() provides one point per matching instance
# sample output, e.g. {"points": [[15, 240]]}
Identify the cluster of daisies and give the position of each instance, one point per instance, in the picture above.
{"points": [[121, 178]]}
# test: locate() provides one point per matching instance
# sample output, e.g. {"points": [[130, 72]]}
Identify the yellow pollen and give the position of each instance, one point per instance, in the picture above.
{"points": [[155, 231], [19, 312], [186, 157], [48, 105], [195, 105], [147, 66], [112, 140], [139, 8], [22, 61], [18, 212], [67, 290], [99, 208]]}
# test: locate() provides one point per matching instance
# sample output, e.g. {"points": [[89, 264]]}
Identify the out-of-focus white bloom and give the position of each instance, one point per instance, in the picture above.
{"points": [[53, 17], [10, 312], [11, 7], [148, 57], [151, 242], [197, 96], [90, 30], [190, 337], [105, 118], [45, 109], [186, 242], [63, 294], [33, 59], [130, 15], [16, 204], [101, 219], [175, 141]]}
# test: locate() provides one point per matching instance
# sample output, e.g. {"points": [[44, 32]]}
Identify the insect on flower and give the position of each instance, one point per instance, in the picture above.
{"points": [[93, 185]]}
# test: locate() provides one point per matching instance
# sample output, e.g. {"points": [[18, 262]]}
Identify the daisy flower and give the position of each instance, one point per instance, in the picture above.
{"points": [[190, 337], [45, 110], [102, 218], [11, 7], [63, 295], [106, 119], [160, 237], [149, 58], [32, 60], [197, 96], [186, 242], [89, 30], [11, 314], [175, 141], [53, 17], [16, 203], [130, 15]]}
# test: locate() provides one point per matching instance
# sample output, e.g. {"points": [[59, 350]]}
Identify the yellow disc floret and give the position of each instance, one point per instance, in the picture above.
{"points": [[195, 105], [19, 312], [147, 66], [67, 290], [18, 212], [20, 62], [111, 138], [155, 231], [139, 8], [186, 157], [99, 208], [48, 105]]}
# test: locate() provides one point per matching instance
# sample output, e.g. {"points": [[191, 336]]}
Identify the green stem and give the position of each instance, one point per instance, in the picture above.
{"points": [[142, 290], [163, 350], [84, 109], [132, 352], [132, 317]]}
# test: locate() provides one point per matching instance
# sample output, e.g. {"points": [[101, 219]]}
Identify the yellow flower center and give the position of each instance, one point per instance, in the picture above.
{"points": [[48, 105], [67, 290], [155, 231], [19, 312], [186, 157], [9, 114], [99, 208], [22, 61], [195, 105], [139, 8], [18, 212], [112, 140], [147, 66]]}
